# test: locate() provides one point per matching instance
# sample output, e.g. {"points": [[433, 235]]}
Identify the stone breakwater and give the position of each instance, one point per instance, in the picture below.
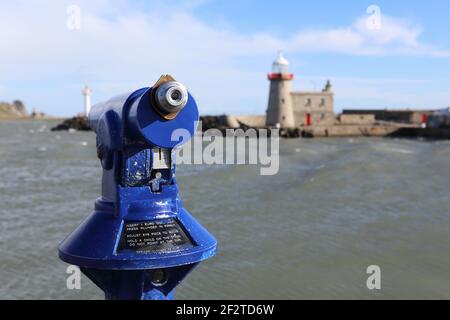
{"points": [[385, 129]]}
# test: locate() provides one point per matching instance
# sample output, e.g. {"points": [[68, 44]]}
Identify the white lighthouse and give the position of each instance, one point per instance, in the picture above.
{"points": [[279, 111], [87, 92]]}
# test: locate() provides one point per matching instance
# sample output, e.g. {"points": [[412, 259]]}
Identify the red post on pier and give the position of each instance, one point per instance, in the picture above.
{"points": [[308, 119], [423, 119]]}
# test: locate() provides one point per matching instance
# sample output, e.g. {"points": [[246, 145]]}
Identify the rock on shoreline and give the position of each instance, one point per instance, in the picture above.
{"points": [[75, 123]]}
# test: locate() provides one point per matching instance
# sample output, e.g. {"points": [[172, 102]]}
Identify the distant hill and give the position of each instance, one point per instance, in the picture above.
{"points": [[13, 110]]}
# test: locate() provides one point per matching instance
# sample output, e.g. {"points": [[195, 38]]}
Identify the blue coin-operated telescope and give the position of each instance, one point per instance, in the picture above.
{"points": [[140, 242]]}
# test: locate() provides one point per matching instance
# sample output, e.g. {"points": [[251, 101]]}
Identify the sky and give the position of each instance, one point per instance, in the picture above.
{"points": [[377, 54]]}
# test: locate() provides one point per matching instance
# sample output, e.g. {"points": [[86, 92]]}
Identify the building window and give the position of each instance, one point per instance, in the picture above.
{"points": [[282, 100], [322, 116], [308, 102], [322, 102]]}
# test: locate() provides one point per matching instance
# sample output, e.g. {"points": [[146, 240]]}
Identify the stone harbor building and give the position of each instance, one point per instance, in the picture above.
{"points": [[314, 107], [287, 108]]}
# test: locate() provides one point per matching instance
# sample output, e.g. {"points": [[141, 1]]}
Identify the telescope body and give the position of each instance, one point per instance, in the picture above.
{"points": [[140, 242]]}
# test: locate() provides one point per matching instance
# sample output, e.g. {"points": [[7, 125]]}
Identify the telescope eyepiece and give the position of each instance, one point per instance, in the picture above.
{"points": [[171, 97]]}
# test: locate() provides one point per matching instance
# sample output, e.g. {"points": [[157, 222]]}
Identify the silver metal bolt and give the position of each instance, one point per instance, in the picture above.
{"points": [[171, 96]]}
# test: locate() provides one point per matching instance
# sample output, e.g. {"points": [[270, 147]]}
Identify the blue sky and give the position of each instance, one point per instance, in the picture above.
{"points": [[222, 51]]}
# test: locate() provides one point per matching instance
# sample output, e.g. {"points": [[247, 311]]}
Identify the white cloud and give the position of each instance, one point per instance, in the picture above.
{"points": [[118, 48], [395, 37]]}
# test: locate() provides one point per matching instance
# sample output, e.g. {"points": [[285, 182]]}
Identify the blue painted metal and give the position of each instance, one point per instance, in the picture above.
{"points": [[128, 129]]}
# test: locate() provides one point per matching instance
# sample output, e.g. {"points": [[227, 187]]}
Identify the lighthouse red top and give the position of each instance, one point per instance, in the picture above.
{"points": [[280, 69]]}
